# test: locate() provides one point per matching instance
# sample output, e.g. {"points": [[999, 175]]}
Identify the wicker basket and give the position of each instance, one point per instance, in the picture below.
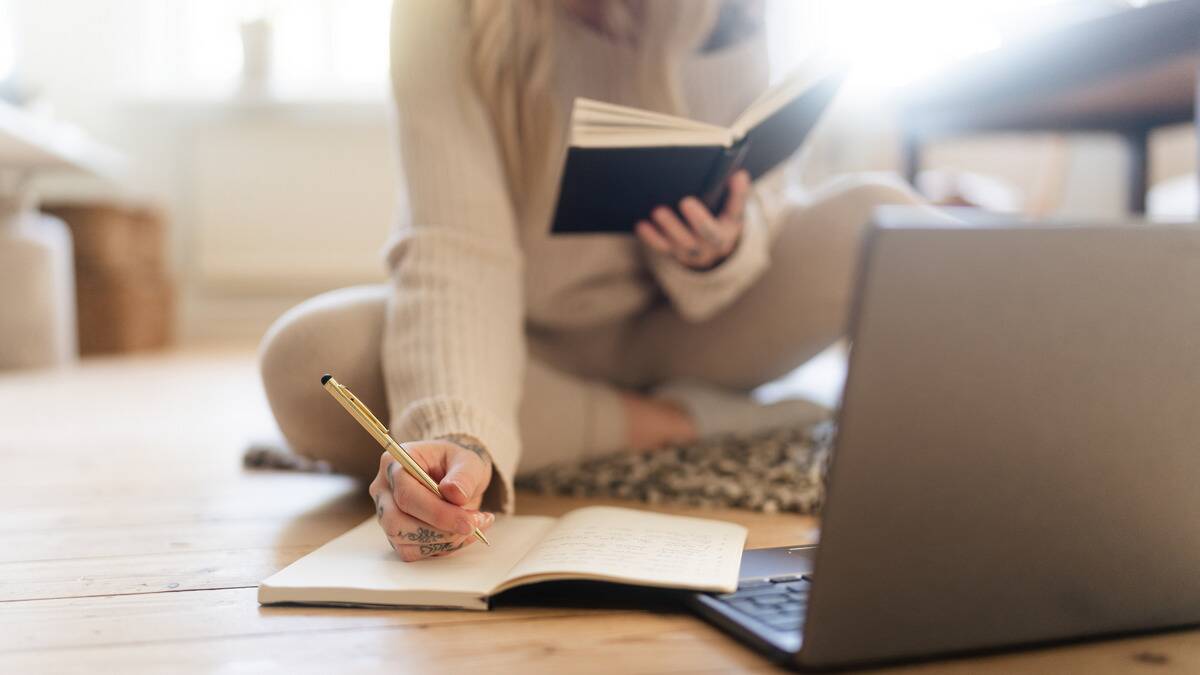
{"points": [[126, 299]]}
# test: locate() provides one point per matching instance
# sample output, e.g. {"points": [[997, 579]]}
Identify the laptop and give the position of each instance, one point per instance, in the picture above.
{"points": [[1018, 450]]}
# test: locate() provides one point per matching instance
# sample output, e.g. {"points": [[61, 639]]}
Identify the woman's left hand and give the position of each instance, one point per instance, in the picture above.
{"points": [[705, 240]]}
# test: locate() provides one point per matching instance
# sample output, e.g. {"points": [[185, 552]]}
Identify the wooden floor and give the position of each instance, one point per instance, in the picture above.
{"points": [[131, 541]]}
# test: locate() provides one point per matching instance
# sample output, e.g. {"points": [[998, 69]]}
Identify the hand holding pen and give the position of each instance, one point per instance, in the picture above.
{"points": [[426, 492]]}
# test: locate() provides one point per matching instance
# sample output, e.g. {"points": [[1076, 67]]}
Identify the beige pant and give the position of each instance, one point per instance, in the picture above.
{"points": [[571, 406]]}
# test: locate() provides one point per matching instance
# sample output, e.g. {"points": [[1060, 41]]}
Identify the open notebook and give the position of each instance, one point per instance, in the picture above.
{"points": [[594, 543], [622, 162]]}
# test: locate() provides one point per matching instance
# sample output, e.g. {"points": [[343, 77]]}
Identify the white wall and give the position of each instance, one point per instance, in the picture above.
{"points": [[271, 203], [268, 202]]}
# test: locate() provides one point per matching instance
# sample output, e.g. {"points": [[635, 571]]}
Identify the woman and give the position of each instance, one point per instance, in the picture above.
{"points": [[497, 347]]}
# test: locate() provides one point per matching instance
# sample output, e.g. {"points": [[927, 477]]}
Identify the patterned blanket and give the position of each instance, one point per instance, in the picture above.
{"points": [[776, 471]]}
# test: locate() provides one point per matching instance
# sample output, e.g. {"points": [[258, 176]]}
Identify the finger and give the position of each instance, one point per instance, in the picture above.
{"points": [[402, 529], [702, 221], [651, 237], [389, 471], [465, 478], [731, 233], [683, 244], [437, 549], [381, 484], [429, 455], [739, 191], [375, 489], [415, 552], [416, 500]]}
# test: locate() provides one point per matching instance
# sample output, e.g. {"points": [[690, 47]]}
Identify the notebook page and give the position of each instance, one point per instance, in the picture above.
{"points": [[638, 547], [360, 567]]}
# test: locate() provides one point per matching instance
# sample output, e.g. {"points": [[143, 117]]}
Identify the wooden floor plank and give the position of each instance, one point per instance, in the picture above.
{"points": [[548, 643], [187, 570], [615, 644], [140, 620], [137, 632], [110, 542], [129, 502]]}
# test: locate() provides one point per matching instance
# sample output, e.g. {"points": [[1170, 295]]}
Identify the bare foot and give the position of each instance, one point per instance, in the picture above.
{"points": [[653, 423]]}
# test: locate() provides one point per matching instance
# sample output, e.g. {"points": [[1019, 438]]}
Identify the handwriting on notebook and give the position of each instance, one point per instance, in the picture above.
{"points": [[634, 551]]}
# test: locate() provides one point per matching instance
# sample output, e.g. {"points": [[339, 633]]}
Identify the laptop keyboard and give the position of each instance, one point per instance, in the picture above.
{"points": [[778, 602]]}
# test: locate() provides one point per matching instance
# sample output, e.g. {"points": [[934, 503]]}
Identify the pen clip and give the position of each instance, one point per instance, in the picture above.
{"points": [[362, 409]]}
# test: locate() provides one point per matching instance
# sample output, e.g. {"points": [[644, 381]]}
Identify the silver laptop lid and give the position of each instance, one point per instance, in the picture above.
{"points": [[1019, 448]]}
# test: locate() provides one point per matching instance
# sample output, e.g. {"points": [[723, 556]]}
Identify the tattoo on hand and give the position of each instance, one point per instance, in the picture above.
{"points": [[423, 535], [378, 506], [435, 549], [464, 441]]}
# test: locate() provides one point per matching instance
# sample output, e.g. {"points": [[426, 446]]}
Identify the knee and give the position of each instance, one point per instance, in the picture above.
{"points": [[871, 189], [332, 332], [860, 194], [840, 211]]}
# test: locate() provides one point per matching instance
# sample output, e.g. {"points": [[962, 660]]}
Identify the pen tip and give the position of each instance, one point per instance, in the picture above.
{"points": [[325, 378]]}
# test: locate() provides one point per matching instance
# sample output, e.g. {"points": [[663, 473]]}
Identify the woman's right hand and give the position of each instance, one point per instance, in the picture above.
{"points": [[419, 524]]}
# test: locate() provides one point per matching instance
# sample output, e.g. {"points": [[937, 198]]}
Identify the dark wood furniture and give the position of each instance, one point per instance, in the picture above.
{"points": [[1126, 73]]}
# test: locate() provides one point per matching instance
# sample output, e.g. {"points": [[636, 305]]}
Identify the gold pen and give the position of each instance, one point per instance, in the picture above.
{"points": [[380, 433]]}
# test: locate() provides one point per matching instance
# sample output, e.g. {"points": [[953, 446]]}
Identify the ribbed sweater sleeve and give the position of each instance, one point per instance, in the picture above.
{"points": [[453, 348]]}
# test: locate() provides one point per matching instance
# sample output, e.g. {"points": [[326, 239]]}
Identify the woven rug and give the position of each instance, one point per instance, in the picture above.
{"points": [[777, 471]]}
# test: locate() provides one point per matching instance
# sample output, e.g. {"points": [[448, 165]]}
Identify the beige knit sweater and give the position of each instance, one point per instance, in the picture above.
{"points": [[469, 276]]}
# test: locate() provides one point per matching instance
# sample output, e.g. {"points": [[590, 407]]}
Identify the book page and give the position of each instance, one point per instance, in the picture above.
{"points": [[795, 84], [606, 125], [640, 547], [589, 111]]}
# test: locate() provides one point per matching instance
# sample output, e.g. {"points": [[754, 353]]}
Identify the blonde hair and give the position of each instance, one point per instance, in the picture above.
{"points": [[512, 65]]}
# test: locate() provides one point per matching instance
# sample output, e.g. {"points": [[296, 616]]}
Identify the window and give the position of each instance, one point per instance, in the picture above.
{"points": [[313, 48], [892, 43], [8, 48]]}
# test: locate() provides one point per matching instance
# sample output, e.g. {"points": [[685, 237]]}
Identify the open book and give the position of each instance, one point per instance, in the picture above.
{"points": [[595, 543], [622, 162]]}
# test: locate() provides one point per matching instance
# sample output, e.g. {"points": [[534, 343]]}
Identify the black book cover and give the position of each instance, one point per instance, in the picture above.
{"points": [[609, 189]]}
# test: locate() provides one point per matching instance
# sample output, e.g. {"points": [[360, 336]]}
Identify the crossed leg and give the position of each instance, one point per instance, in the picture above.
{"points": [[796, 309]]}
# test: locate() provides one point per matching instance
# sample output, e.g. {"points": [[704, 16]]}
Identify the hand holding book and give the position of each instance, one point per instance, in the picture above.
{"points": [[621, 162], [705, 240]]}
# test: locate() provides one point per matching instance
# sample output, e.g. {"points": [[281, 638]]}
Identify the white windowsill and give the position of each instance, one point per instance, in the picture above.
{"points": [[349, 104]]}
